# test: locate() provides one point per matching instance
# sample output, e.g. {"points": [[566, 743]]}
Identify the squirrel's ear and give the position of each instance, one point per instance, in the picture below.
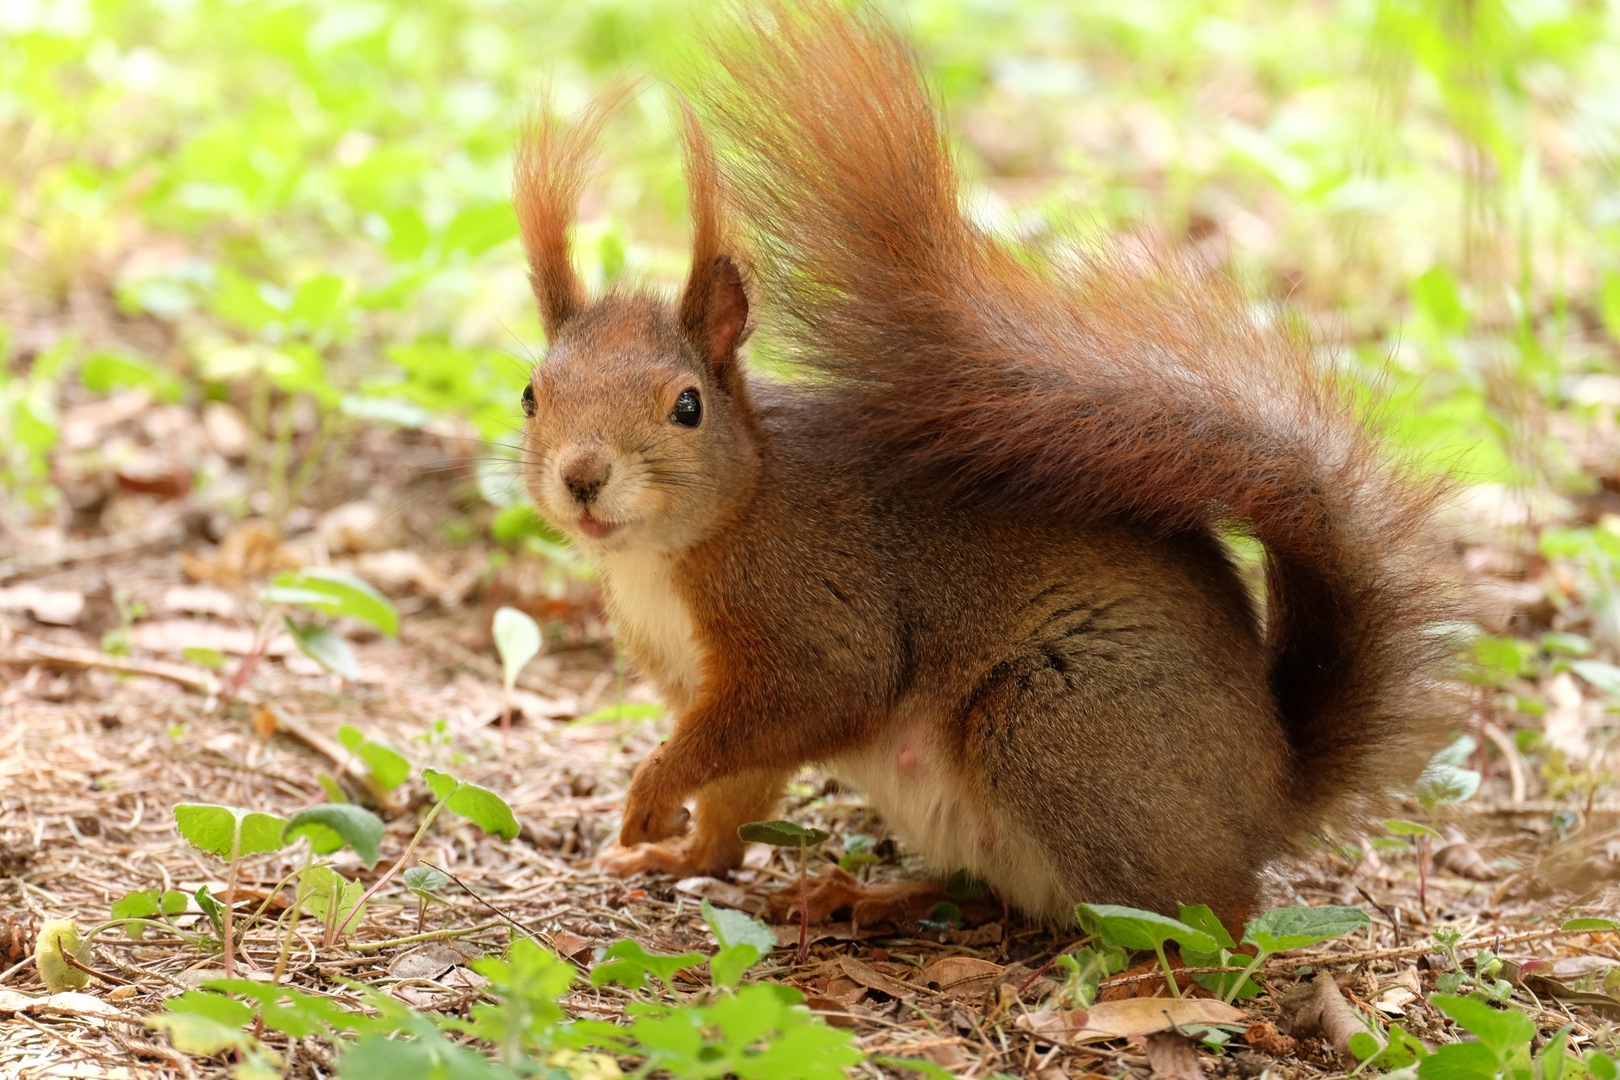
{"points": [[714, 305], [547, 175], [725, 316]]}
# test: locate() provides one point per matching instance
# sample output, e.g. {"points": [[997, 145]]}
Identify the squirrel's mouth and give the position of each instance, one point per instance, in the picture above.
{"points": [[593, 528]]}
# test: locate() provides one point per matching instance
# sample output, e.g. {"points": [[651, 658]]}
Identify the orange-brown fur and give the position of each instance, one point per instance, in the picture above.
{"points": [[974, 558]]}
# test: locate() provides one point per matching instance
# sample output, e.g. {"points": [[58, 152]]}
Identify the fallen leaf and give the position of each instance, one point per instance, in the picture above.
{"points": [[431, 960], [1463, 859], [962, 976], [58, 607], [1172, 1054], [825, 1005], [723, 893], [1394, 1001], [1129, 1016], [875, 980]]}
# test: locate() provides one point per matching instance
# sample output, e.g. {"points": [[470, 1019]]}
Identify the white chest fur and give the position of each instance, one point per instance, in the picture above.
{"points": [[652, 622]]}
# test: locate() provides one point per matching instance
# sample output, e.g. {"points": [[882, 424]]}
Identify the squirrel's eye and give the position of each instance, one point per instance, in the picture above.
{"points": [[528, 402], [688, 411]]}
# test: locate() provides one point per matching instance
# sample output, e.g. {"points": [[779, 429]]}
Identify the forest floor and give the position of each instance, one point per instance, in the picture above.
{"points": [[105, 727]]}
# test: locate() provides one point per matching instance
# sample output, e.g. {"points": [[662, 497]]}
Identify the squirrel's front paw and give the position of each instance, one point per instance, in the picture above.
{"points": [[645, 820]]}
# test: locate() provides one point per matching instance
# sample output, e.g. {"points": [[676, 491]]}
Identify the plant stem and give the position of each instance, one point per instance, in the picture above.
{"points": [[399, 863], [1254, 965], [1169, 973], [431, 935], [230, 907], [292, 921]]}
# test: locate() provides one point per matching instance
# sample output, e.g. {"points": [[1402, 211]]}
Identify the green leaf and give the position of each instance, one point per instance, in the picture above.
{"points": [[214, 1006], [517, 639], [736, 928], [1604, 677], [941, 916], [1463, 1061], [1591, 923], [333, 790], [637, 712], [1200, 917], [1133, 928], [442, 784], [210, 908], [1409, 828], [781, 834], [425, 880], [212, 659], [194, 1033], [477, 804], [1444, 781], [1602, 1066], [388, 767], [1297, 927], [743, 942], [320, 887], [331, 825], [964, 886], [227, 832], [103, 373], [147, 904], [325, 646], [628, 964], [1499, 1031], [334, 593]]}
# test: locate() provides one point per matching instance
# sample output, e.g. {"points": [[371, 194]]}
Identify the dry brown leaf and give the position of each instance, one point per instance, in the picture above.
{"points": [[962, 976], [1325, 1010], [1130, 1016], [1462, 858], [723, 893], [875, 980], [58, 607], [1172, 1054]]}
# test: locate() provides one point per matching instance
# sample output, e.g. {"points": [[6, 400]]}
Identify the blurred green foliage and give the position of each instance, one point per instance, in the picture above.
{"points": [[309, 197]]}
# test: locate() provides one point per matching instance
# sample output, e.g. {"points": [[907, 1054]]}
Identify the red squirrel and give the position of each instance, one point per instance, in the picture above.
{"points": [[970, 553]]}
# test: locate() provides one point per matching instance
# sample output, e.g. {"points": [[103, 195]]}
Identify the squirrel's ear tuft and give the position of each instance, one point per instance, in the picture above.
{"points": [[714, 305], [547, 176]]}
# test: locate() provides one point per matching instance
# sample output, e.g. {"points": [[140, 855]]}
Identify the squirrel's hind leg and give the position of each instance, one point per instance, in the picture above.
{"points": [[711, 846]]}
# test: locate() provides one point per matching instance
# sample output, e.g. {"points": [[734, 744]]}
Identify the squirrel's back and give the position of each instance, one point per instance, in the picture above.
{"points": [[1095, 386]]}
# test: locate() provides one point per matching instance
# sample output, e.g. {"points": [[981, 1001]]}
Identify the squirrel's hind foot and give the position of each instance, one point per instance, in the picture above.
{"points": [[684, 856]]}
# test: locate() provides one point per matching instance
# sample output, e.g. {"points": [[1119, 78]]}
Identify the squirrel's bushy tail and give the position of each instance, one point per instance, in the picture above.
{"points": [[1099, 386]]}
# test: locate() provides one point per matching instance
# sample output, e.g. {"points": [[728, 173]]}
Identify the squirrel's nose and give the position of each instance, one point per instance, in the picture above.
{"points": [[584, 478]]}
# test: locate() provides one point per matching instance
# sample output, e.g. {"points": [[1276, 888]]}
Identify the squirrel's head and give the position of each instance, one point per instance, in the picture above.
{"points": [[638, 432]]}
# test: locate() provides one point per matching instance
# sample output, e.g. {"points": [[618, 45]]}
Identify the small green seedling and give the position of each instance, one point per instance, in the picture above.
{"points": [[857, 854], [1133, 928], [1086, 968], [517, 639], [787, 834], [424, 882], [387, 766], [228, 834], [212, 659], [479, 805], [330, 592], [1204, 942], [144, 907]]}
